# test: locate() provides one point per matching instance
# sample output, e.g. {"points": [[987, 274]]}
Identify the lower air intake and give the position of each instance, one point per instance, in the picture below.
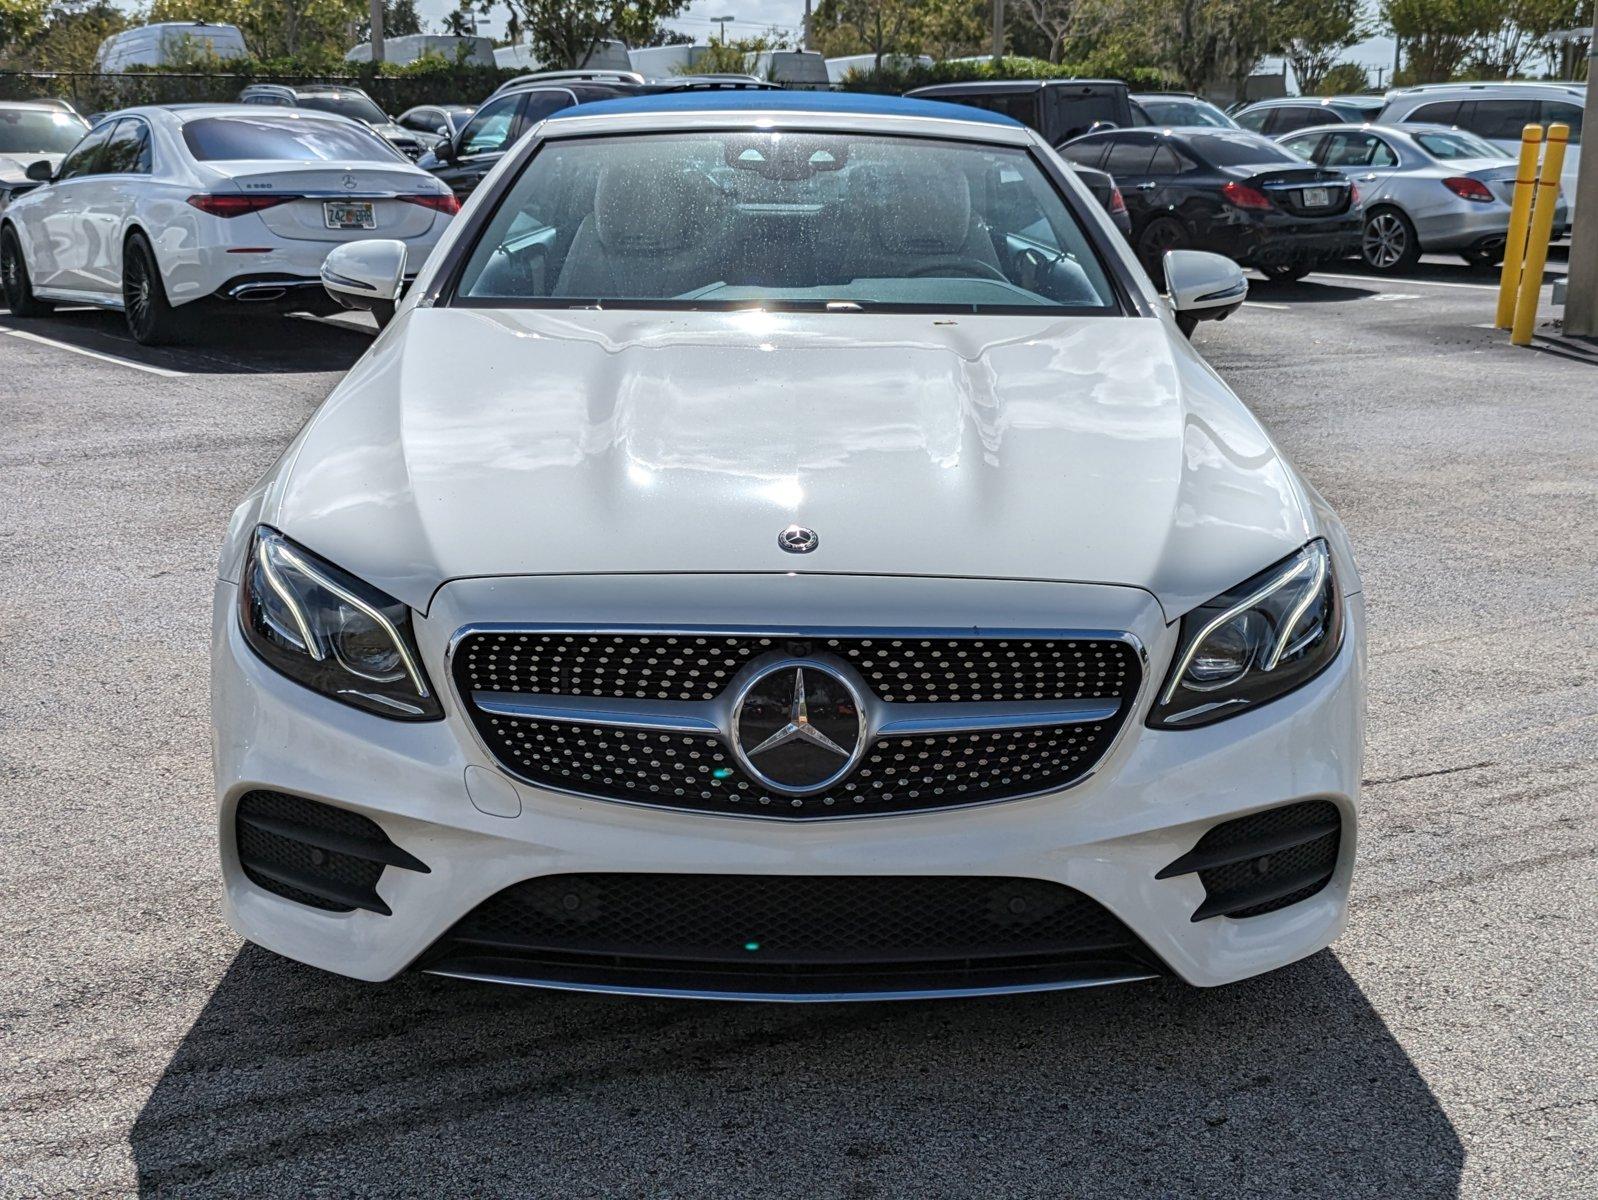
{"points": [[1265, 861], [791, 935], [314, 853]]}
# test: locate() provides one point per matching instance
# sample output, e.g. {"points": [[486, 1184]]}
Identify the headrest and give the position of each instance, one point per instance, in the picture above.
{"points": [[648, 202], [921, 208]]}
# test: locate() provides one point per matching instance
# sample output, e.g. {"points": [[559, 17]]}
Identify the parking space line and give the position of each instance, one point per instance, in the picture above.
{"points": [[110, 358], [1407, 281], [1262, 304]]}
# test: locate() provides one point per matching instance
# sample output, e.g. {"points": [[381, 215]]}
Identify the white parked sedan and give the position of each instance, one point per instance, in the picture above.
{"points": [[159, 210], [784, 548]]}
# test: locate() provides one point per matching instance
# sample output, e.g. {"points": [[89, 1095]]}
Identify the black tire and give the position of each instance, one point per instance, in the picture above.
{"points": [[18, 287], [1158, 236], [1286, 272], [1388, 244], [1186, 324], [151, 319], [1484, 260]]}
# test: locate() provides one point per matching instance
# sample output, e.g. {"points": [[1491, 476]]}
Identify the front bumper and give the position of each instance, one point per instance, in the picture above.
{"points": [[1152, 798]]}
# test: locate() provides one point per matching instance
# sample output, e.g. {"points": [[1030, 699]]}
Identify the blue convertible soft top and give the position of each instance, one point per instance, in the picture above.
{"points": [[767, 101]]}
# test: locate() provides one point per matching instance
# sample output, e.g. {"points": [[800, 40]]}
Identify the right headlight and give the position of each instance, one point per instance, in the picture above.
{"points": [[1257, 641], [332, 632]]}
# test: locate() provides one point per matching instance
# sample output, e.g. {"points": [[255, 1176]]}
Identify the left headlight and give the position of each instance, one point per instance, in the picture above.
{"points": [[1260, 640], [326, 629]]}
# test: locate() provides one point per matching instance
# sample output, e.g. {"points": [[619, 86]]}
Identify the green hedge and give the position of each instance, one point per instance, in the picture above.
{"points": [[894, 80], [394, 88]]}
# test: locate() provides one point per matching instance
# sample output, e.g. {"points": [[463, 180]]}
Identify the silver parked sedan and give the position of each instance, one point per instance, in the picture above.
{"points": [[1426, 188]]}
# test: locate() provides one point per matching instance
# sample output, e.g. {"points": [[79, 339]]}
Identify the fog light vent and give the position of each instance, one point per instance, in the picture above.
{"points": [[314, 853], [1265, 861]]}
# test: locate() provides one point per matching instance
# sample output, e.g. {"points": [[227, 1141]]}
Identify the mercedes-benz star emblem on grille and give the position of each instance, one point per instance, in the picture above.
{"points": [[798, 727], [796, 539]]}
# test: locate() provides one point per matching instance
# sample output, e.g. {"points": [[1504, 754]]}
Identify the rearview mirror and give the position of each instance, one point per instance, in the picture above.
{"points": [[40, 172], [1203, 286], [366, 275]]}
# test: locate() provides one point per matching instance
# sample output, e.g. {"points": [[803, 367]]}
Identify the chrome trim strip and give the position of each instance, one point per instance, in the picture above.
{"points": [[493, 762], [613, 989], [670, 716], [914, 720], [887, 720]]}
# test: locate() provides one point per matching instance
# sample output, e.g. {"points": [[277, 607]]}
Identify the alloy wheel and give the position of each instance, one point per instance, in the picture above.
{"points": [[1385, 240], [136, 290]]}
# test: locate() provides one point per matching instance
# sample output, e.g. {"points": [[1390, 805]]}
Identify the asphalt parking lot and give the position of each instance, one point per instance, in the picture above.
{"points": [[1448, 1044]]}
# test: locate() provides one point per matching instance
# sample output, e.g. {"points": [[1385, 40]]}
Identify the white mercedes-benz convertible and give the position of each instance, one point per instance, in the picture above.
{"points": [[785, 548]]}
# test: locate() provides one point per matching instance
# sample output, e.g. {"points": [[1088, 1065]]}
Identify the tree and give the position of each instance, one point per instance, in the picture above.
{"points": [[69, 37], [400, 19], [952, 28], [563, 33], [20, 20], [276, 28], [1345, 79], [1436, 36], [1054, 19], [875, 27], [1314, 33]]}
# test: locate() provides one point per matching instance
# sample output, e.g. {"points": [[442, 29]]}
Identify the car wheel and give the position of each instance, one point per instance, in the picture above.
{"points": [[1286, 272], [14, 278], [1158, 236], [1484, 260], [1187, 325], [1389, 244], [151, 319]]}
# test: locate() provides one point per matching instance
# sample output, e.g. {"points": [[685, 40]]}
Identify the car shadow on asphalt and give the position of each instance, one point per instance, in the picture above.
{"points": [[293, 1081], [221, 344]]}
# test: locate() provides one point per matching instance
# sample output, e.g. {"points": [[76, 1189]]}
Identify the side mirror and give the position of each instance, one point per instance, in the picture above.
{"points": [[366, 275], [40, 172], [1203, 286], [445, 150]]}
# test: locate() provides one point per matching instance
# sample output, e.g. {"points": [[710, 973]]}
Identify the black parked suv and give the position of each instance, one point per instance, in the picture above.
{"points": [[336, 98], [520, 104], [1229, 191], [1059, 109]]}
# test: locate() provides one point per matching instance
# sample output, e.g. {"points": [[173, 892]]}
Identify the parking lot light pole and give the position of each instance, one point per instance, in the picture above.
{"points": [[998, 30], [377, 31], [1581, 287]]}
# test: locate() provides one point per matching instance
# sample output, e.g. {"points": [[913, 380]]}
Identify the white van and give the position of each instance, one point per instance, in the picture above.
{"points": [[1497, 112], [163, 44], [407, 48]]}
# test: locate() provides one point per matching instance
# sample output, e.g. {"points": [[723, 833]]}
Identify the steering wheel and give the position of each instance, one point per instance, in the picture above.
{"points": [[954, 265]]}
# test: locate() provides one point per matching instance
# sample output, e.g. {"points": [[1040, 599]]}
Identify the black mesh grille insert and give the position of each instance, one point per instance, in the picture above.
{"points": [[687, 666], [741, 927], [1266, 861], [317, 854], [697, 772]]}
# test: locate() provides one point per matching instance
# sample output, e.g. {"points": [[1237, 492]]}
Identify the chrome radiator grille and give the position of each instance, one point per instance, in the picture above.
{"points": [[698, 666], [648, 717]]}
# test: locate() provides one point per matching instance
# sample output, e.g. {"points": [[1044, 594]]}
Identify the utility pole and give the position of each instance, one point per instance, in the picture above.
{"points": [[1581, 288], [377, 31], [998, 30], [805, 44]]}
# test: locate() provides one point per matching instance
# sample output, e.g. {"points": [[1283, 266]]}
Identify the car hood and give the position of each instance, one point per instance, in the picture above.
{"points": [[480, 442], [14, 167]]}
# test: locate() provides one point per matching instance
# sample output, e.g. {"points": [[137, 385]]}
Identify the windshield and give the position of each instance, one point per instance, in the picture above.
{"points": [[283, 138], [785, 220], [1456, 143], [1242, 149], [358, 107], [1186, 112], [31, 131]]}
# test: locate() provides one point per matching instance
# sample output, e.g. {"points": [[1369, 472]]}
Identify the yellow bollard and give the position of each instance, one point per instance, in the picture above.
{"points": [[1519, 219], [1542, 226]]}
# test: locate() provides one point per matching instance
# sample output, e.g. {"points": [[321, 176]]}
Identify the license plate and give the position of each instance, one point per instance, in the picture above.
{"points": [[1317, 197], [349, 214]]}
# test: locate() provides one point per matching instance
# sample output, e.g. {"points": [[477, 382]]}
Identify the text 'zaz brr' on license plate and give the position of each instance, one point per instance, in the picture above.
{"points": [[349, 214], [1317, 197]]}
